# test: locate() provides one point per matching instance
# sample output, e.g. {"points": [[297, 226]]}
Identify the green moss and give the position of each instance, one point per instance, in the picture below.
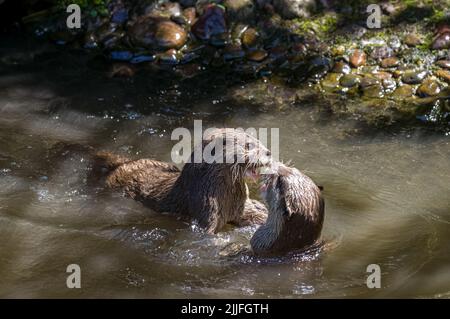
{"points": [[321, 25], [95, 7]]}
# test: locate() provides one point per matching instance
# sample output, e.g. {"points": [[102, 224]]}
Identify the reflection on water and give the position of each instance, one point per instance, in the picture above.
{"points": [[387, 196]]}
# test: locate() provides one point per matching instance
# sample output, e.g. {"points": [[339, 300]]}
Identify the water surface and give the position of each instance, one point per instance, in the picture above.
{"points": [[386, 191]]}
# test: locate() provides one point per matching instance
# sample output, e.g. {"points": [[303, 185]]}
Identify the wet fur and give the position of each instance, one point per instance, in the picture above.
{"points": [[296, 213], [214, 194]]}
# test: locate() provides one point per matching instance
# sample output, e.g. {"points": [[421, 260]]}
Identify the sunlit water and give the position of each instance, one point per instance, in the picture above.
{"points": [[387, 193]]}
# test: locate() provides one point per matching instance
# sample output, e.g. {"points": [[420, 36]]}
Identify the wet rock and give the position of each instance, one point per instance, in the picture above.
{"points": [[403, 91], [412, 40], [170, 35], [350, 80], [190, 15], [381, 75], [443, 64], [444, 75], [256, 55], [373, 91], [442, 41], [158, 34], [413, 77], [381, 52], [240, 10], [168, 57], [164, 9], [250, 38], [211, 25], [121, 55], [142, 58], [331, 81], [368, 80], [428, 88], [341, 67], [389, 84], [318, 67], [233, 52], [389, 62], [358, 58], [290, 9]]}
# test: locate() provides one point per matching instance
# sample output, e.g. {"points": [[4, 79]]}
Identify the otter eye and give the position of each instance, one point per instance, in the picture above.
{"points": [[249, 146]]}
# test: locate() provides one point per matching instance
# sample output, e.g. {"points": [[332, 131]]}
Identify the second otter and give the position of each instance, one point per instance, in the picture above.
{"points": [[296, 213]]}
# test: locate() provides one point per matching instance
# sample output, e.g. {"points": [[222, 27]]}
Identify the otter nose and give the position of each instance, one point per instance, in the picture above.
{"points": [[268, 153]]}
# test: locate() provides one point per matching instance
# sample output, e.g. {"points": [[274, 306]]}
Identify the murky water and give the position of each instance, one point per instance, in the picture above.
{"points": [[387, 193]]}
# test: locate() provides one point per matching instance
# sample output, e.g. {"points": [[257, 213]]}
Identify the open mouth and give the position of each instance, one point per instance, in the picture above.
{"points": [[253, 173]]}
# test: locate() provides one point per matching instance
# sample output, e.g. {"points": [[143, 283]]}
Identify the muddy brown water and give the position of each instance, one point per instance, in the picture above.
{"points": [[387, 193]]}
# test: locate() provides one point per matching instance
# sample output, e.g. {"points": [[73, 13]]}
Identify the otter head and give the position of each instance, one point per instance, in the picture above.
{"points": [[236, 151], [296, 212]]}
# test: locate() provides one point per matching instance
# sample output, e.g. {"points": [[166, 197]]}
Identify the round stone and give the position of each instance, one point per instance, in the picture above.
{"points": [[358, 58]]}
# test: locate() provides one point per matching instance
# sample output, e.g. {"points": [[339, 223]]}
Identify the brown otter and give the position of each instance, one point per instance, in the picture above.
{"points": [[213, 193], [296, 212]]}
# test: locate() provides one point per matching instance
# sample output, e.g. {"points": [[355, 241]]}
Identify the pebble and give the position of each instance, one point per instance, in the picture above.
{"points": [[256, 55], [442, 41], [414, 77], [428, 88], [350, 80], [403, 91], [358, 58], [389, 62], [412, 40], [444, 75], [341, 67], [443, 64]]}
